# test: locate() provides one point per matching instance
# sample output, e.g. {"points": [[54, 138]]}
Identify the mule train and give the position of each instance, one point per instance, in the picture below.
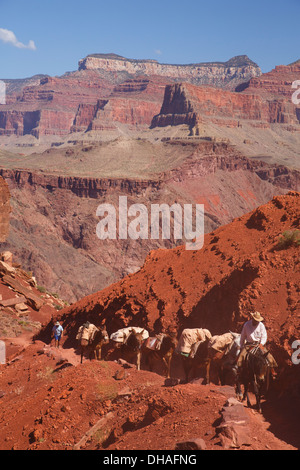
{"points": [[196, 349], [135, 343], [131, 343], [199, 349]]}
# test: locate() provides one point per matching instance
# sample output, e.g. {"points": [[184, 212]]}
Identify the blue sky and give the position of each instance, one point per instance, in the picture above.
{"points": [[171, 31]]}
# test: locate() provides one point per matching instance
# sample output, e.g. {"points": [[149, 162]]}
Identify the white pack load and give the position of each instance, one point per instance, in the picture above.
{"points": [[220, 342], [86, 331], [190, 336], [121, 335]]}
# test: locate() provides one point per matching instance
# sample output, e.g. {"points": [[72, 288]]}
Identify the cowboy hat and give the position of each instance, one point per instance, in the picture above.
{"points": [[57, 323], [256, 316]]}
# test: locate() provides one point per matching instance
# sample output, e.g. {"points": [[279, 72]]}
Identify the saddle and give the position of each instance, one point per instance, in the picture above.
{"points": [[255, 348], [86, 332], [154, 343]]}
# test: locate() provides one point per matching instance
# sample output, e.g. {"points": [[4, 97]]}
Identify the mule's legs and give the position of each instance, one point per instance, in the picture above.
{"points": [[167, 363], [207, 368], [246, 395], [98, 353], [138, 361], [186, 368], [222, 375], [257, 395], [148, 361], [238, 388]]}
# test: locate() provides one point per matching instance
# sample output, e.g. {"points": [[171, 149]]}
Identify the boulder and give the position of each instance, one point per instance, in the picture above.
{"points": [[191, 444], [234, 430]]}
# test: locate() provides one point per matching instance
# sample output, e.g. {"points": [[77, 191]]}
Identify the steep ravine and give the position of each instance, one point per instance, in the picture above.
{"points": [[53, 221]]}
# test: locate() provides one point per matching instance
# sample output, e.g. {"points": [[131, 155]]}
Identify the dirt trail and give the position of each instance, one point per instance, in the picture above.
{"points": [[51, 401]]}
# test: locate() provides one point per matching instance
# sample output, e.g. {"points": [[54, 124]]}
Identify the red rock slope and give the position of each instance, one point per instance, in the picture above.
{"points": [[240, 269]]}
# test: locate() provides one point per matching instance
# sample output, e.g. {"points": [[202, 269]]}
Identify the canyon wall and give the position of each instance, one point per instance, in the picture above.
{"points": [[59, 106], [5, 210], [53, 226], [109, 90], [191, 105], [105, 91], [222, 74]]}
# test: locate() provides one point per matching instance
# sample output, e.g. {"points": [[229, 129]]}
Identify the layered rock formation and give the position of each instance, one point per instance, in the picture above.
{"points": [[109, 91], [80, 102], [277, 82], [106, 90], [149, 166], [50, 107], [53, 228], [194, 106], [222, 74], [5, 210]]}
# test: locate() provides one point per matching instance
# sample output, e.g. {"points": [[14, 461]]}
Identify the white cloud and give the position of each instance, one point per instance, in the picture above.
{"points": [[10, 38], [158, 52]]}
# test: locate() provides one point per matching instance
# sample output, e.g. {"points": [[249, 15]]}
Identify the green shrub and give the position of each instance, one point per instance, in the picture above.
{"points": [[41, 289], [58, 307], [289, 238]]}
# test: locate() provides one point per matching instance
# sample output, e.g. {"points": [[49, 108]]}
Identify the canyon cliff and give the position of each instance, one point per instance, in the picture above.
{"points": [[265, 100], [109, 91], [124, 127], [4, 210], [221, 74], [53, 225], [105, 91]]}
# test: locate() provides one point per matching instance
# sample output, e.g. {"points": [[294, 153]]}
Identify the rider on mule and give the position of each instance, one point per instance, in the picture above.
{"points": [[254, 334]]}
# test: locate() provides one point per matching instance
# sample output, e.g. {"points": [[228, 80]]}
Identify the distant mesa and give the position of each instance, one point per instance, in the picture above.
{"points": [[112, 56], [109, 90], [227, 74], [237, 61]]}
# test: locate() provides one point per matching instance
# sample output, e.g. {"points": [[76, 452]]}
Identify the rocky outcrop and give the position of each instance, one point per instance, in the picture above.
{"points": [[83, 187], [73, 262], [59, 106], [234, 428], [109, 90], [191, 105], [277, 82], [222, 74], [5, 210]]}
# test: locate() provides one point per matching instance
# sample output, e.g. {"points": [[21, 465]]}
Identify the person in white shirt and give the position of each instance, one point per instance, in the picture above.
{"points": [[57, 332], [254, 333]]}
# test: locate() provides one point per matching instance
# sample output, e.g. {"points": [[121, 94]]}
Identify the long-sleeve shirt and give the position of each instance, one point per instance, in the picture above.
{"points": [[251, 333]]}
